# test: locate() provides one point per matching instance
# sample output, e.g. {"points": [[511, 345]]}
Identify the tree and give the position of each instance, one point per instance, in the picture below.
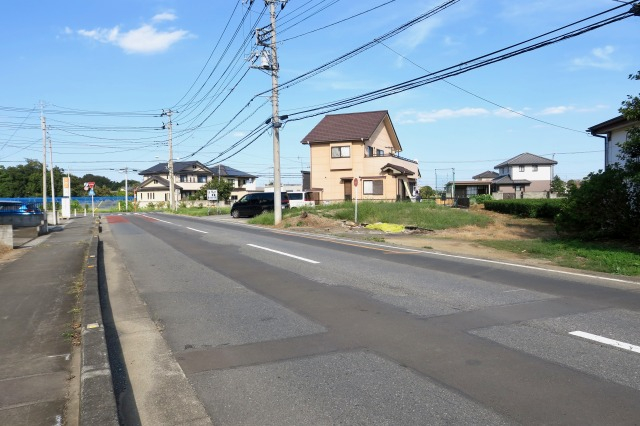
{"points": [[607, 204], [223, 186], [427, 192], [558, 186]]}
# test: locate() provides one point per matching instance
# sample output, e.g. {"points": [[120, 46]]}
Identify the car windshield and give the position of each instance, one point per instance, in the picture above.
{"points": [[295, 196]]}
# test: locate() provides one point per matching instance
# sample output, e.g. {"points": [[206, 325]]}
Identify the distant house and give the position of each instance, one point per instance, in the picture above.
{"points": [[359, 152], [523, 176], [614, 132], [480, 185], [189, 177]]}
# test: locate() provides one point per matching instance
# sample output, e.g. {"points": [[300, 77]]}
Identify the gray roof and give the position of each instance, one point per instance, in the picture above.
{"points": [[487, 174], [526, 159], [187, 166], [162, 181], [506, 180], [606, 126]]}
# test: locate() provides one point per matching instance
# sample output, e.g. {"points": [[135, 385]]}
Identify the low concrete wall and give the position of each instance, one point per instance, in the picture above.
{"points": [[6, 236], [22, 220]]}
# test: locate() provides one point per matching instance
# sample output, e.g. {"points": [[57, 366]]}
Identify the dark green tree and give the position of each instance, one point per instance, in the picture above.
{"points": [[558, 186], [224, 189], [427, 192]]}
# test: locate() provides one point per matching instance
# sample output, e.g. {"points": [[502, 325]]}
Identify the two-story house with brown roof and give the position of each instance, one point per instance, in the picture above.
{"points": [[359, 152], [614, 133]]}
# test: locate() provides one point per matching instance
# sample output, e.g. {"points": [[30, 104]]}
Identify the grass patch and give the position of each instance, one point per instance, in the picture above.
{"points": [[422, 215], [601, 257]]}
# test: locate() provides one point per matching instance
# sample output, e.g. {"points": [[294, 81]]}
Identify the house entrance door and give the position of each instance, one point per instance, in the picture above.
{"points": [[348, 189]]}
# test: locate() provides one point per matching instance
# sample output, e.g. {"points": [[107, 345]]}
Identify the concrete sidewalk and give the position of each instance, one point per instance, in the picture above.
{"points": [[40, 369]]}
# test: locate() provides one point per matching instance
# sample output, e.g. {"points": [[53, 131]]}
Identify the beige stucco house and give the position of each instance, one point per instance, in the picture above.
{"points": [[358, 152], [189, 177]]}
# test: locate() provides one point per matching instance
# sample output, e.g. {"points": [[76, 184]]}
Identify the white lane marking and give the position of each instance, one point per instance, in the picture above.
{"points": [[159, 220], [455, 256], [197, 230], [606, 341], [283, 253]]}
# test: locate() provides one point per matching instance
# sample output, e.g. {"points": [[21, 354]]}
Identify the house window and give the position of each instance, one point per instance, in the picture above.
{"points": [[202, 179], [380, 153], [155, 181], [472, 190], [369, 151], [183, 178], [151, 195], [231, 181], [340, 152], [534, 168], [372, 187], [521, 168]]}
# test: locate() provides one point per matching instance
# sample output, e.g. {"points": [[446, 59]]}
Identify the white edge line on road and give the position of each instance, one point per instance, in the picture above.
{"points": [[606, 341], [455, 256], [159, 220], [197, 230], [283, 253]]}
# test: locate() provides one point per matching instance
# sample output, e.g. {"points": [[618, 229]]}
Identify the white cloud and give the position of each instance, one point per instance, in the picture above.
{"points": [[409, 117], [508, 113], [556, 110], [164, 16], [146, 39], [601, 57], [418, 33]]}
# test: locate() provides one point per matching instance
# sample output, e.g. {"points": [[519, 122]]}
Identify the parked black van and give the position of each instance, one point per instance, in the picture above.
{"points": [[256, 203]]}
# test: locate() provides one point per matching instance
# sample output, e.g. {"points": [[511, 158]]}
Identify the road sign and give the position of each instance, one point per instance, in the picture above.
{"points": [[91, 193], [212, 194], [89, 185], [355, 181]]}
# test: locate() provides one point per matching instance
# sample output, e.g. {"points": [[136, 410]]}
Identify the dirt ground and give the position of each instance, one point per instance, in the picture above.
{"points": [[461, 241]]}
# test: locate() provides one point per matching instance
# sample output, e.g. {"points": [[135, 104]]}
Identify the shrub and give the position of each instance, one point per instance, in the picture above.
{"points": [[542, 208], [601, 208], [482, 198], [151, 206]]}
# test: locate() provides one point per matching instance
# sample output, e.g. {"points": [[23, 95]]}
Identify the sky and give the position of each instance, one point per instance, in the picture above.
{"points": [[101, 74]]}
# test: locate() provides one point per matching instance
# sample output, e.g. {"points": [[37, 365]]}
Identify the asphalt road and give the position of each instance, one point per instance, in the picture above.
{"points": [[280, 328]]}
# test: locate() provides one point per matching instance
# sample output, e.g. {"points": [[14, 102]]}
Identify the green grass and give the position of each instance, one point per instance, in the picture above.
{"points": [[422, 215], [601, 257]]}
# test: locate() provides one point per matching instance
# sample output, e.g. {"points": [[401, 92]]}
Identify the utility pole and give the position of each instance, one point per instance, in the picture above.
{"points": [[53, 191], [272, 65], [43, 124], [172, 202]]}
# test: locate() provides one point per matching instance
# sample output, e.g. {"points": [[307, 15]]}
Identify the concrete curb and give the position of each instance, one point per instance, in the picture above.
{"points": [[97, 397]]}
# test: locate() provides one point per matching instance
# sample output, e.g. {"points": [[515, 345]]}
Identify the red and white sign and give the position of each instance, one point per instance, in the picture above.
{"points": [[355, 181], [89, 185]]}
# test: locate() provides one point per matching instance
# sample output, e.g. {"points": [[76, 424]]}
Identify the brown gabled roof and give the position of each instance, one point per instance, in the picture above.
{"points": [[346, 127], [402, 170]]}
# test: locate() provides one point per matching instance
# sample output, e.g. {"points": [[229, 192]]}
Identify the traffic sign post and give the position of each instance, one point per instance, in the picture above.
{"points": [[88, 186]]}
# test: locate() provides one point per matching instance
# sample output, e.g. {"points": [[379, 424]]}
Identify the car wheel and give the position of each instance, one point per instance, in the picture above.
{"points": [[235, 214]]}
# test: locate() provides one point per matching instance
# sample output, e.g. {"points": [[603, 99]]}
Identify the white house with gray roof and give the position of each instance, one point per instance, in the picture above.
{"points": [[523, 176]]}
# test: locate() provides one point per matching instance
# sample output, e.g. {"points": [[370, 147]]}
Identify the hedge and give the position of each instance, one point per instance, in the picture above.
{"points": [[543, 208]]}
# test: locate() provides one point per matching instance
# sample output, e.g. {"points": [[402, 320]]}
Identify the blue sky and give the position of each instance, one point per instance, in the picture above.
{"points": [[104, 72]]}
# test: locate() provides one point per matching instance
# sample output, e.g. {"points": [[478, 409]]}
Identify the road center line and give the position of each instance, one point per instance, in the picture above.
{"points": [[283, 253], [606, 341], [197, 230]]}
